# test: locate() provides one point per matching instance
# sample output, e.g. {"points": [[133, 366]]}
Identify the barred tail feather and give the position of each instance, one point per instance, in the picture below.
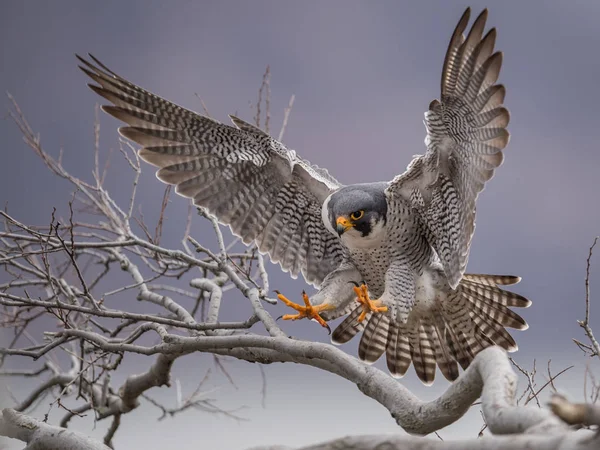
{"points": [[458, 347], [349, 327], [493, 332], [491, 280], [496, 295], [447, 335], [374, 339], [422, 354], [495, 311], [398, 351], [477, 316], [443, 355]]}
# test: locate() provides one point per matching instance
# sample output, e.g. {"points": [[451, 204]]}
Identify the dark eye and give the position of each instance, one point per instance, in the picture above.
{"points": [[357, 215]]}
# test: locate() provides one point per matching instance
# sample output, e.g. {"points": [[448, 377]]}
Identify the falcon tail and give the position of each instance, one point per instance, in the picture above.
{"points": [[473, 318]]}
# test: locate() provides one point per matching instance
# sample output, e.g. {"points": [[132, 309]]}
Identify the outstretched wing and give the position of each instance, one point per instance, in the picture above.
{"points": [[466, 132], [248, 180]]}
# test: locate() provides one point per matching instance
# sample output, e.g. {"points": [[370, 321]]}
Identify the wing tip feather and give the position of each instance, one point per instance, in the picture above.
{"points": [[452, 46]]}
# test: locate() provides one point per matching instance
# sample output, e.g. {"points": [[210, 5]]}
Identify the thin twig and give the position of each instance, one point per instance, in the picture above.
{"points": [[286, 115], [585, 324]]}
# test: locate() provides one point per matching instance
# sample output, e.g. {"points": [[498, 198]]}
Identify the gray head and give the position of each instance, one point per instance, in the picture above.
{"points": [[356, 211]]}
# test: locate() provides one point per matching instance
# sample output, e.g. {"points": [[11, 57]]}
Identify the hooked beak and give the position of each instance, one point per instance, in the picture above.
{"points": [[343, 225]]}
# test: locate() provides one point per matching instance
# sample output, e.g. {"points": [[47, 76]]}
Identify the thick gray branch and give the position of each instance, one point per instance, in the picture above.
{"points": [[570, 441], [489, 376], [41, 436], [158, 374]]}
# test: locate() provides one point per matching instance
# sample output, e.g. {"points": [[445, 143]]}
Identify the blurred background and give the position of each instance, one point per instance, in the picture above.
{"points": [[363, 74]]}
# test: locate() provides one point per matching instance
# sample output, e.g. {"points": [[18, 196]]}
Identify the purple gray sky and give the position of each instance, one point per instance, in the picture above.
{"points": [[363, 74]]}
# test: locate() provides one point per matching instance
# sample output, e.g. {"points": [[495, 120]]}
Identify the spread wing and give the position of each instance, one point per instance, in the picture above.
{"points": [[466, 132], [248, 180]]}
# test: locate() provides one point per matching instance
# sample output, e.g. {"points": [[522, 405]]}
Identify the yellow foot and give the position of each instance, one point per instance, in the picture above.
{"points": [[368, 305], [307, 311]]}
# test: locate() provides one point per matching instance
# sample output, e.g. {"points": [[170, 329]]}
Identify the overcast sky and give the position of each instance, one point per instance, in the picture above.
{"points": [[363, 74]]}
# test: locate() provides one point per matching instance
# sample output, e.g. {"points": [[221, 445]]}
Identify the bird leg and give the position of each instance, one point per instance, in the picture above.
{"points": [[307, 311], [368, 305]]}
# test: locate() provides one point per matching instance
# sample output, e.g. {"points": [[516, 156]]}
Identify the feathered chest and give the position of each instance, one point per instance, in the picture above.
{"points": [[372, 265]]}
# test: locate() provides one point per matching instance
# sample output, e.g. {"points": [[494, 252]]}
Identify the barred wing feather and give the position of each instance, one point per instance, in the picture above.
{"points": [[466, 132], [248, 180]]}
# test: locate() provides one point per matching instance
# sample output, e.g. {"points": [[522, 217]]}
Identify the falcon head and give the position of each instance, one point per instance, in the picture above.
{"points": [[357, 214]]}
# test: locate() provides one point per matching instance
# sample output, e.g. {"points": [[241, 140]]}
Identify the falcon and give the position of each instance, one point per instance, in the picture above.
{"points": [[390, 256]]}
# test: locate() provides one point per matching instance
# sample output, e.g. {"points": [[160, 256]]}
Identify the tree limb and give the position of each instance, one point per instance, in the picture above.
{"points": [[41, 436], [572, 441]]}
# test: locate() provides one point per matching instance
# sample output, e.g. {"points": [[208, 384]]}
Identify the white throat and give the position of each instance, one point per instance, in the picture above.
{"points": [[355, 240]]}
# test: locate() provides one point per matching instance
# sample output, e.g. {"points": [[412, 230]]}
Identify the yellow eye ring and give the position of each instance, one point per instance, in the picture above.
{"points": [[357, 215]]}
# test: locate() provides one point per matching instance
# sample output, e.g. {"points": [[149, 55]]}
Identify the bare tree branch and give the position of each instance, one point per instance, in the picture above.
{"points": [[517, 442], [585, 324], [286, 116], [41, 436]]}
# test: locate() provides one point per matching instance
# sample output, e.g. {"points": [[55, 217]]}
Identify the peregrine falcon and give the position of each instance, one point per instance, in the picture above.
{"points": [[404, 243]]}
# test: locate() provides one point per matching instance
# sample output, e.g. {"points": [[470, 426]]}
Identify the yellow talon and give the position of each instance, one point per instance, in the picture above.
{"points": [[368, 305], [307, 311]]}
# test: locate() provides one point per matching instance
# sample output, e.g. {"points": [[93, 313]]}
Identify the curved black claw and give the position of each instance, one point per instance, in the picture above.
{"points": [[278, 318], [354, 283]]}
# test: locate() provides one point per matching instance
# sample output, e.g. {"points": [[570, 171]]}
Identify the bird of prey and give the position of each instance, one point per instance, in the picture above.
{"points": [[391, 256]]}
